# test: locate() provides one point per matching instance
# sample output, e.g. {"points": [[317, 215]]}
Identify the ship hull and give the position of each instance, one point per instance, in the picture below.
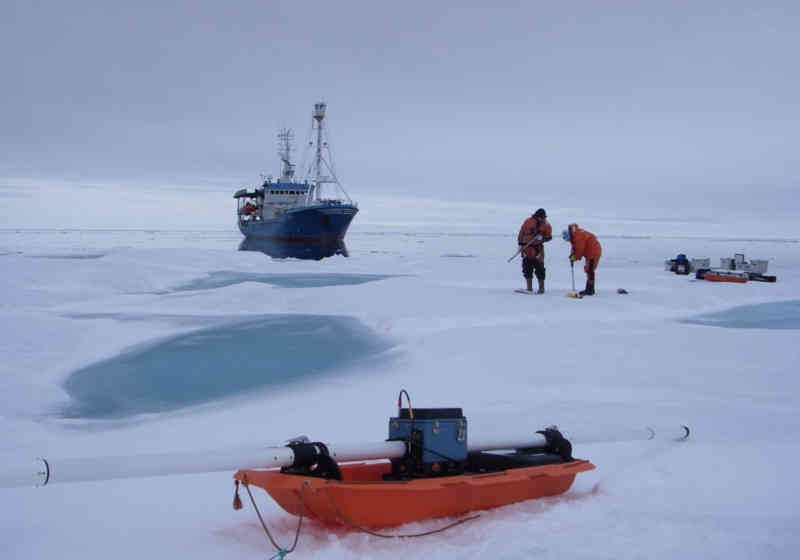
{"points": [[309, 250], [313, 223]]}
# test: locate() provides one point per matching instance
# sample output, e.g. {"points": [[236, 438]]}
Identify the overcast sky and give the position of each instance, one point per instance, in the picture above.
{"points": [[606, 103]]}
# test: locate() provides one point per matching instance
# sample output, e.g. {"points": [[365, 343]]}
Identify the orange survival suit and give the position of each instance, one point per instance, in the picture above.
{"points": [[248, 209], [585, 245], [537, 230]]}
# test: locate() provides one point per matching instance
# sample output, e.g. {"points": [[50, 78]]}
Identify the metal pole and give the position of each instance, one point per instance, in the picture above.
{"points": [[531, 242], [572, 268]]}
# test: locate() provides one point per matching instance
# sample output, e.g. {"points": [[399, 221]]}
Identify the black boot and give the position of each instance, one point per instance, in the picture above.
{"points": [[530, 284], [589, 291]]}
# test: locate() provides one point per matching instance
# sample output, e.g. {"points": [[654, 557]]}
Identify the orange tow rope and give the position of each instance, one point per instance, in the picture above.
{"points": [[237, 504]]}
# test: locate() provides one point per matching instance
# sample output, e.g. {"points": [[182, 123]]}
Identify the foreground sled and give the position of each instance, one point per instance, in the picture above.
{"points": [[431, 472], [366, 495]]}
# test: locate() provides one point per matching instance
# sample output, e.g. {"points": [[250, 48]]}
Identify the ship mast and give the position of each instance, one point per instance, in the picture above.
{"points": [[319, 177], [320, 170], [285, 137]]}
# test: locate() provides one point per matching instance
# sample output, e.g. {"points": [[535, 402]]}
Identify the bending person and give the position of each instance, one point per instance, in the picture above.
{"points": [[584, 245]]}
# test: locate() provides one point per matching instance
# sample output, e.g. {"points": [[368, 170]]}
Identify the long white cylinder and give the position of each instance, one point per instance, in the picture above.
{"points": [[343, 453], [19, 473], [527, 439], [25, 472], [51, 470], [39, 472]]}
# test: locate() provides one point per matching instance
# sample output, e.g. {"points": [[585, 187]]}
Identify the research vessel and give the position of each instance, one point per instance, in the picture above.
{"points": [[314, 209]]}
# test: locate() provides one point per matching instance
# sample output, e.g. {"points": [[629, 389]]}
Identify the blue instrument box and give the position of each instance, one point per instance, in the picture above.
{"points": [[437, 437]]}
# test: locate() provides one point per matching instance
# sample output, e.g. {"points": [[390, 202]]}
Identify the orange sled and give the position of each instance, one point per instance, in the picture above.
{"points": [[363, 498], [726, 276]]}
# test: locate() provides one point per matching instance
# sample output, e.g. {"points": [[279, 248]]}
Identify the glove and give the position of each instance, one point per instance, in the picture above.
{"points": [[572, 259]]}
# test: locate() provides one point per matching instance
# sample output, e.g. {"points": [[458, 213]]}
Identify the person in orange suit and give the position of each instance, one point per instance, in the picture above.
{"points": [[248, 209], [584, 245], [535, 231]]}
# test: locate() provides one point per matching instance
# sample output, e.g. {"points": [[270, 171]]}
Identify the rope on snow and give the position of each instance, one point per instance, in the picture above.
{"points": [[281, 552]]}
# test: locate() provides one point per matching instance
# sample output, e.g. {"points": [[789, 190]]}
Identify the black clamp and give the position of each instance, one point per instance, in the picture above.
{"points": [[313, 459], [557, 444]]}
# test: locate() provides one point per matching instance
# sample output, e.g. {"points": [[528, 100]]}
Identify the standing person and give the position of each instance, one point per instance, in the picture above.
{"points": [[535, 231], [584, 244]]}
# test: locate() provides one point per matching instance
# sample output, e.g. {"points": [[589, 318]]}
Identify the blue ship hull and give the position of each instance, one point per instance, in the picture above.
{"points": [[321, 222], [309, 250]]}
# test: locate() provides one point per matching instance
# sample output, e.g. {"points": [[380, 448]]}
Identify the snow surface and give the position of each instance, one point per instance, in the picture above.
{"points": [[440, 292]]}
